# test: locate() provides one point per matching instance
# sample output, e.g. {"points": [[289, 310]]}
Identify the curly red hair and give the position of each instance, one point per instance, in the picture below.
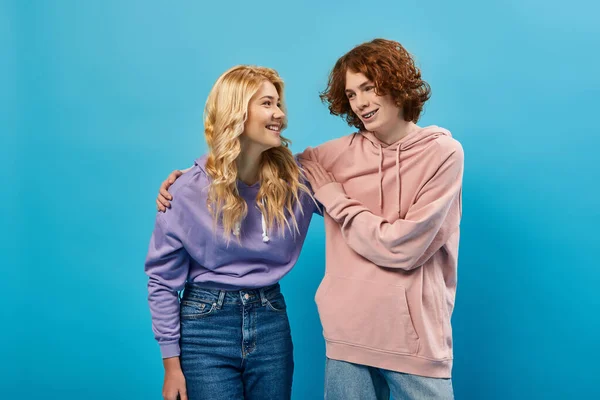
{"points": [[393, 71]]}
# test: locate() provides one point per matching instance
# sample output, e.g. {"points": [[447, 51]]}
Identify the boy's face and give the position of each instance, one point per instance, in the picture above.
{"points": [[379, 114]]}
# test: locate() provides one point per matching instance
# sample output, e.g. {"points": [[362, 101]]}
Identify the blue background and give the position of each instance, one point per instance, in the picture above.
{"points": [[100, 100]]}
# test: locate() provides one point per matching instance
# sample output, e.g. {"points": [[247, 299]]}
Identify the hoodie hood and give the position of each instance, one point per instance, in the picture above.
{"points": [[248, 192], [419, 138]]}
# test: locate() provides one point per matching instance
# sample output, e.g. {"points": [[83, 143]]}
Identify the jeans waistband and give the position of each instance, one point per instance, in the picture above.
{"points": [[219, 297]]}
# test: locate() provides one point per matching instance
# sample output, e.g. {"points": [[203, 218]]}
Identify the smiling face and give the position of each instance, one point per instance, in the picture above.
{"points": [[378, 113], [265, 119]]}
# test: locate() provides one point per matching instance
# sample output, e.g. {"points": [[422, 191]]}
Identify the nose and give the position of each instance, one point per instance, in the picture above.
{"points": [[362, 101], [278, 114]]}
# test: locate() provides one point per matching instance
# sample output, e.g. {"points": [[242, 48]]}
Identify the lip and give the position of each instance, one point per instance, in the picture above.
{"points": [[277, 132], [370, 118]]}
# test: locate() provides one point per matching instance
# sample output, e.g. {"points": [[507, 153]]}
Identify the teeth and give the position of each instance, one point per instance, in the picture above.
{"points": [[273, 128], [369, 115]]}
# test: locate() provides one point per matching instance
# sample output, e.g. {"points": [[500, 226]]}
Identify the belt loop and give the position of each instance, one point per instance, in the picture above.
{"points": [[263, 298], [219, 303]]}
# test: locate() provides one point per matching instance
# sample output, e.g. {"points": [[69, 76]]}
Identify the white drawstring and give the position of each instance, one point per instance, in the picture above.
{"points": [[398, 177], [265, 236], [380, 179]]}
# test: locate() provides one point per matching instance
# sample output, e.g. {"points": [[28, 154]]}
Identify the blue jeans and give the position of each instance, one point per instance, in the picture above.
{"points": [[347, 381], [236, 344]]}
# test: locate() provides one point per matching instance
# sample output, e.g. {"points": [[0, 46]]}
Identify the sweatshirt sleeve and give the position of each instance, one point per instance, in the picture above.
{"points": [[315, 206], [407, 243], [167, 266]]}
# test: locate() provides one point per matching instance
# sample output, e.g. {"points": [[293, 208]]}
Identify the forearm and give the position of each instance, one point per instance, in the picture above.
{"points": [[172, 364]]}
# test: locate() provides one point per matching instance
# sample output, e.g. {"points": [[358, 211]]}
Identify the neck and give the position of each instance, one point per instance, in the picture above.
{"points": [[248, 164], [397, 132]]}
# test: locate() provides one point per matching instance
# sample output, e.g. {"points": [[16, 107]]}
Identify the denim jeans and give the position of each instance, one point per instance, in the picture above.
{"points": [[348, 381], [236, 344]]}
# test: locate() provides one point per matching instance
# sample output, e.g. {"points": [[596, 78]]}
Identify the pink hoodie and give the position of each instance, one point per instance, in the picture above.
{"points": [[392, 227]]}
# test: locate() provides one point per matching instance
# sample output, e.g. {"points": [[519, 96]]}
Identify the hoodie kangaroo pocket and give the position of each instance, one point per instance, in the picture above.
{"points": [[368, 314]]}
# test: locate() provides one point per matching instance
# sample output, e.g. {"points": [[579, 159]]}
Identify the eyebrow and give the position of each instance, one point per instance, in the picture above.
{"points": [[361, 86], [269, 97]]}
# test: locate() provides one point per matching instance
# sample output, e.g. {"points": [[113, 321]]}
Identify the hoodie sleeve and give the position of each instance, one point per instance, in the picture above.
{"points": [[407, 243], [167, 266], [315, 206]]}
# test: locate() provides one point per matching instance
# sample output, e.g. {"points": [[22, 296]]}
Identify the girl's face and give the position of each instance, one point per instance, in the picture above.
{"points": [[265, 119]]}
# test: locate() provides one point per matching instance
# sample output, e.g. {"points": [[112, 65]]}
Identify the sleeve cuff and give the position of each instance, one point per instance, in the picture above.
{"points": [[169, 350]]}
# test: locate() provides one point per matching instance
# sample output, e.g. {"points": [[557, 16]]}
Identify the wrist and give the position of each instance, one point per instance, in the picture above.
{"points": [[172, 364]]}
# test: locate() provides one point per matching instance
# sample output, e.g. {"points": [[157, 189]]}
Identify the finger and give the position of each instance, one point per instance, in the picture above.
{"points": [[164, 192], [322, 170], [318, 173], [312, 170], [314, 166], [327, 177], [160, 207], [174, 175], [309, 176], [164, 198], [163, 201], [311, 182], [304, 165], [183, 394]]}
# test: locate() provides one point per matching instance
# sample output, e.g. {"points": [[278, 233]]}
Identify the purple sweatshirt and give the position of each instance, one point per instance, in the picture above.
{"points": [[185, 247]]}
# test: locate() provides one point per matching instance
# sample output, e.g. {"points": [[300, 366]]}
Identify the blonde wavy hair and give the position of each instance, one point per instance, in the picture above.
{"points": [[280, 177]]}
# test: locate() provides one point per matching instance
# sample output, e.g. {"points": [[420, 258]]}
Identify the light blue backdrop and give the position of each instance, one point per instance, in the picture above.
{"points": [[100, 100]]}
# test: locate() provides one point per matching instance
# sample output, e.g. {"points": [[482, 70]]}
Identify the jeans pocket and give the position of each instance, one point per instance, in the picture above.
{"points": [[277, 303], [192, 309]]}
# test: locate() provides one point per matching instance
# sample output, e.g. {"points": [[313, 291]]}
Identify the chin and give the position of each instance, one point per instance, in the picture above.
{"points": [[371, 127], [272, 145]]}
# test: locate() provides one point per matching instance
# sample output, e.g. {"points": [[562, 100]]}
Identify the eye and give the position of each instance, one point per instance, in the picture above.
{"points": [[267, 103], [369, 88], [350, 95]]}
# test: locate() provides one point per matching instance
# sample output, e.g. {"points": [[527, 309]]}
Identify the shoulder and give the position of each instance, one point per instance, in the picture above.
{"points": [[336, 145], [447, 147], [194, 179], [189, 193], [328, 150]]}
